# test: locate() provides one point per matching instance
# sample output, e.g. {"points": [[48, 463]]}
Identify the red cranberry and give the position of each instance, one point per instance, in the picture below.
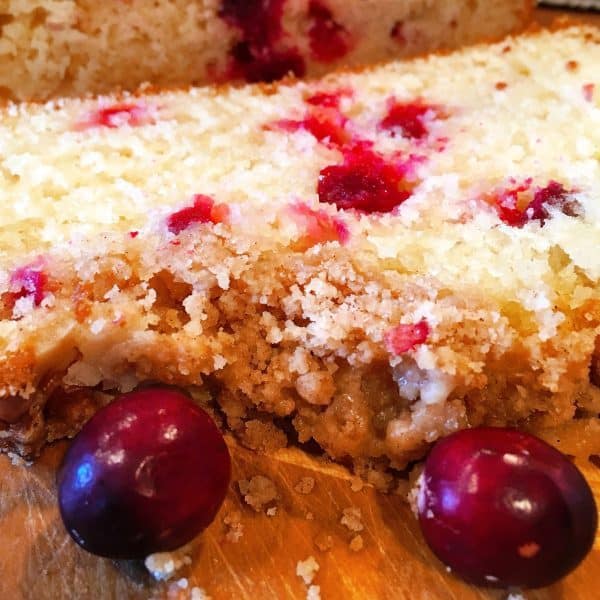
{"points": [[146, 474], [255, 56], [408, 117], [503, 508], [329, 41], [365, 181], [403, 338], [319, 226], [588, 91], [204, 210], [258, 20], [260, 63], [553, 195], [117, 115], [519, 204], [329, 99], [28, 281], [325, 124]]}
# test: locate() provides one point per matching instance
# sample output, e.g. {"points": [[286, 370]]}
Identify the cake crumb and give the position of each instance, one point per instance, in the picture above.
{"points": [[352, 519], [258, 491], [198, 593], [235, 529], [357, 543], [515, 596], [309, 516], [356, 484], [324, 542], [313, 592], [271, 512], [307, 569], [163, 565], [305, 486]]}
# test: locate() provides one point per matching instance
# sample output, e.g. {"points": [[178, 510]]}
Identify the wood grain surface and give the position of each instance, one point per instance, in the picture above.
{"points": [[39, 561]]}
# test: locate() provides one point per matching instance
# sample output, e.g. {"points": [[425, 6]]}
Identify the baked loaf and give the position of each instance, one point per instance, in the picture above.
{"points": [[79, 46], [371, 260]]}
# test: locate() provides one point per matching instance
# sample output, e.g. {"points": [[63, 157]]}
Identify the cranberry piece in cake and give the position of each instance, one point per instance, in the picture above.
{"points": [[366, 181], [257, 63], [28, 281], [503, 508], [117, 115], [329, 99], [329, 41], [520, 203], [556, 196], [409, 118], [403, 338], [319, 226], [203, 210], [257, 56], [146, 474]]}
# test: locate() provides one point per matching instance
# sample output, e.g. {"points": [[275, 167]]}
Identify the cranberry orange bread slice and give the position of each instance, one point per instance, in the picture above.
{"points": [[371, 260], [80, 46]]}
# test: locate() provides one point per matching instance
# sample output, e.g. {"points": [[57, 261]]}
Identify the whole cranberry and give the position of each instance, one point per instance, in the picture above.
{"points": [[146, 474], [503, 508]]}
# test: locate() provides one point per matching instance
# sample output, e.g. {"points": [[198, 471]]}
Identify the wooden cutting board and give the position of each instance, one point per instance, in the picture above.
{"points": [[39, 561]]}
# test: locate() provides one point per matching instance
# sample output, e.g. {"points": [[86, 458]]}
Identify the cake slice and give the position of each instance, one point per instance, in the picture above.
{"points": [[368, 261], [80, 46]]}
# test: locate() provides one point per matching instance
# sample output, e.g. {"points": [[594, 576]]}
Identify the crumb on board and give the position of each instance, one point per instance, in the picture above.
{"points": [[313, 592], [352, 519], [198, 593], [357, 543], [258, 491], [309, 516], [515, 596], [305, 485], [356, 484], [307, 569], [234, 527], [163, 565], [324, 542], [271, 512]]}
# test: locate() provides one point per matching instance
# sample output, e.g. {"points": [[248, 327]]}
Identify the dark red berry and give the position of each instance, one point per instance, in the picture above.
{"points": [[408, 118], [520, 204], [502, 508], [28, 281], [257, 56], [146, 474], [405, 337], [365, 181], [118, 115], [203, 210], [329, 41]]}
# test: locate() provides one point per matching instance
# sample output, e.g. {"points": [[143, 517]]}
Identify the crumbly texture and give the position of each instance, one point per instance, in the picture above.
{"points": [[74, 47], [210, 240], [258, 492], [305, 485], [307, 569], [352, 519], [356, 543], [234, 528], [164, 565]]}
